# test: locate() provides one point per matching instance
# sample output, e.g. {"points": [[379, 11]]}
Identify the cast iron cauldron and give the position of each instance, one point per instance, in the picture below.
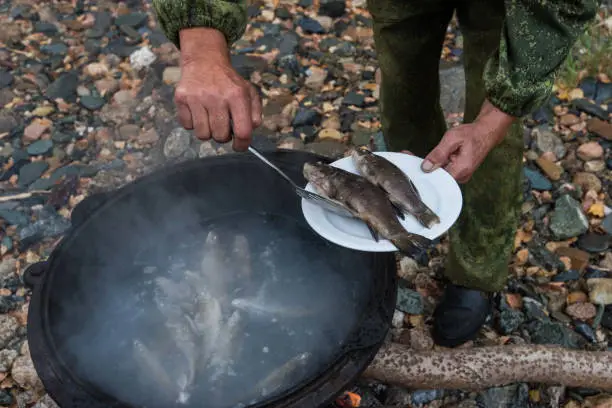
{"points": [[108, 228]]}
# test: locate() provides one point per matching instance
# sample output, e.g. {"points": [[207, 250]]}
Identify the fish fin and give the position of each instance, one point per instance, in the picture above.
{"points": [[420, 241], [399, 211], [425, 217], [428, 218], [370, 228], [396, 206], [411, 244], [414, 189], [407, 247], [373, 232], [351, 209]]}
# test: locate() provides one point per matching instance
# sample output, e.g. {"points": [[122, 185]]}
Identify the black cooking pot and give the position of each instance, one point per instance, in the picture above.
{"points": [[108, 233]]}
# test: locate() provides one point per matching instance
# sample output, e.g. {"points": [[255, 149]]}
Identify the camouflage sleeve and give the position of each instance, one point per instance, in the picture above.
{"points": [[536, 38], [227, 16]]}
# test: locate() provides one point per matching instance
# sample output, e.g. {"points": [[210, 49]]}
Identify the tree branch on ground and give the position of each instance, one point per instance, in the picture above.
{"points": [[485, 367]]}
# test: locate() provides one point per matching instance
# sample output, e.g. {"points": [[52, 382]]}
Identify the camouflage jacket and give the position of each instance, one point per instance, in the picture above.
{"points": [[536, 38]]}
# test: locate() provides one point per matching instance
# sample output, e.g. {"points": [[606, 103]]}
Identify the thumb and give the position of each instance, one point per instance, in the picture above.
{"points": [[440, 155]]}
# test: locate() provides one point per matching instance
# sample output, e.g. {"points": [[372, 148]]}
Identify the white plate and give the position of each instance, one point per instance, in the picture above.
{"points": [[438, 190]]}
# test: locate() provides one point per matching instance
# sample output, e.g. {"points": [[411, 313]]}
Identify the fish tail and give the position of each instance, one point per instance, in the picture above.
{"points": [[427, 217], [423, 214], [411, 245]]}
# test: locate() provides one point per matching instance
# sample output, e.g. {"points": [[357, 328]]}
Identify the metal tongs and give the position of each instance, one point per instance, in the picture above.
{"points": [[315, 198]]}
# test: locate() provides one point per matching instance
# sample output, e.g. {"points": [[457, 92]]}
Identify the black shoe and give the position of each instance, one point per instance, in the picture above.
{"points": [[460, 315]]}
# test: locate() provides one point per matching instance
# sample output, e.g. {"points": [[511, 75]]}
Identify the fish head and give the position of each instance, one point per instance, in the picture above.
{"points": [[241, 245], [320, 175], [214, 260], [240, 303], [213, 251], [364, 161], [213, 241], [358, 151]]}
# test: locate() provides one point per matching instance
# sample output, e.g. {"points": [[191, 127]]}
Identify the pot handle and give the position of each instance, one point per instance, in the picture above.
{"points": [[84, 209], [34, 273]]}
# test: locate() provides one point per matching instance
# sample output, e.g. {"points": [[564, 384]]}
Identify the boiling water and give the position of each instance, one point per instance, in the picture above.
{"points": [[231, 316]]}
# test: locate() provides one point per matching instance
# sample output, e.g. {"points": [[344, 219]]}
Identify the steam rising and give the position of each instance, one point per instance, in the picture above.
{"points": [[219, 315]]}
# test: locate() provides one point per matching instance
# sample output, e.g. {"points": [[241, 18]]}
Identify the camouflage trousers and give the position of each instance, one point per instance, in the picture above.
{"points": [[409, 35]]}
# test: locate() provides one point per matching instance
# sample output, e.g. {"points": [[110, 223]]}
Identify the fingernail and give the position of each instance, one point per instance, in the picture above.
{"points": [[427, 165]]}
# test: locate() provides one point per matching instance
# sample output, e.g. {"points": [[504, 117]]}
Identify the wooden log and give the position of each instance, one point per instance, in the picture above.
{"points": [[484, 367]]}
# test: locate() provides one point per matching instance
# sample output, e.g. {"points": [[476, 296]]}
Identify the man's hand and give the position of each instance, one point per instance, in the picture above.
{"points": [[211, 95], [464, 148]]}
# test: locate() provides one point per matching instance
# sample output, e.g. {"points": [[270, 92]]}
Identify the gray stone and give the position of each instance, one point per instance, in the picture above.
{"points": [[534, 310], [31, 172], [606, 224], [7, 357], [55, 49], [537, 180], [92, 102], [452, 85], [6, 96], [327, 148], [510, 396], [8, 329], [24, 374], [14, 217], [64, 87], [48, 224], [568, 220], [6, 79], [509, 319], [131, 19], [546, 141], [332, 8], [7, 122], [398, 396], [40, 147], [177, 143], [409, 301], [354, 98], [7, 268], [423, 397], [46, 402], [547, 333]]}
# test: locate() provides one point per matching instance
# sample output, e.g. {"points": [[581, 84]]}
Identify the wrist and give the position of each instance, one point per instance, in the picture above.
{"points": [[203, 43], [490, 114], [495, 121]]}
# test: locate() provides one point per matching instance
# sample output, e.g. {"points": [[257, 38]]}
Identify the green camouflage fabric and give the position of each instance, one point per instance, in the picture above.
{"points": [[409, 37], [227, 16], [536, 38]]}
